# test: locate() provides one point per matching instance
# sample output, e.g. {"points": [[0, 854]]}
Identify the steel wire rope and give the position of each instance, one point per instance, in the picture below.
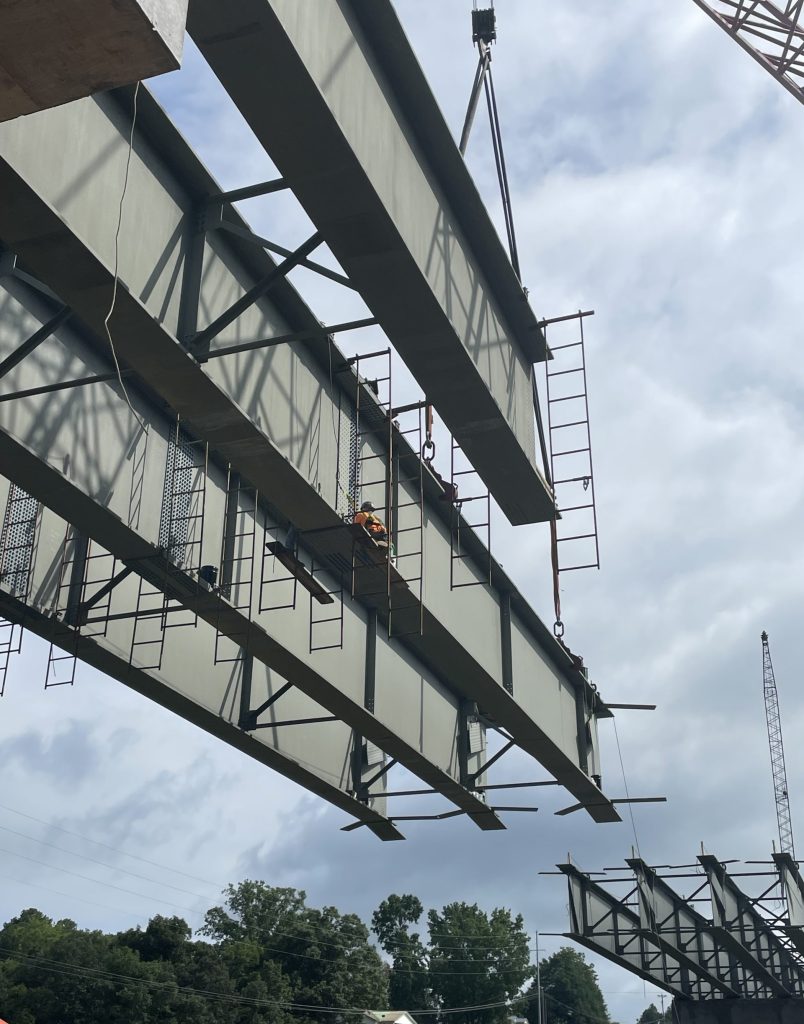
{"points": [[117, 261], [652, 929], [627, 793]]}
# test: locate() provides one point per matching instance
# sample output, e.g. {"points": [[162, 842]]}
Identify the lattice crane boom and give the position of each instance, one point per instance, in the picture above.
{"points": [[776, 744], [772, 33]]}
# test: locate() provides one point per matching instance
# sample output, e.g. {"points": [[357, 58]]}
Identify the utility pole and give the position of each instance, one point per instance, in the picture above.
{"points": [[538, 984], [778, 768]]}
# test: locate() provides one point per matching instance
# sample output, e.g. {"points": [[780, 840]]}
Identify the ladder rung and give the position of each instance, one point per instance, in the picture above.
{"points": [[571, 451], [571, 344], [563, 373], [580, 536], [576, 508], [574, 423], [566, 398], [572, 568], [573, 480]]}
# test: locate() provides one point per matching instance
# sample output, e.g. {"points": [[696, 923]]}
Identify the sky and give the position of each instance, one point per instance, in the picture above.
{"points": [[653, 169]]}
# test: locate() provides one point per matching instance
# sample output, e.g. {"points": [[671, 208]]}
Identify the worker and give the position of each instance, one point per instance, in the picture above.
{"points": [[372, 524]]}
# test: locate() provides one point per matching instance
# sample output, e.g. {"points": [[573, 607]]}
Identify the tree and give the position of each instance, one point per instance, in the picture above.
{"points": [[654, 1016], [570, 990], [477, 959], [304, 955], [409, 983]]}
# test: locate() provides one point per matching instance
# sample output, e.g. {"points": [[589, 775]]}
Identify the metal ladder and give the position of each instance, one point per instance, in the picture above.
{"points": [[570, 442], [17, 546], [238, 555], [467, 488], [406, 583]]}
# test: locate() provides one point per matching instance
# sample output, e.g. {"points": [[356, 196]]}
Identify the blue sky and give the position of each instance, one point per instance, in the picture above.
{"points": [[653, 170]]}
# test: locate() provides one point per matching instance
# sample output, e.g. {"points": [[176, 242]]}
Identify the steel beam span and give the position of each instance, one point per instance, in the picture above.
{"points": [[380, 176], [747, 953], [476, 653]]}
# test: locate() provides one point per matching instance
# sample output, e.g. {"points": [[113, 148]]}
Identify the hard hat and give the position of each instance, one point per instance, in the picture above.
{"points": [[367, 507]]}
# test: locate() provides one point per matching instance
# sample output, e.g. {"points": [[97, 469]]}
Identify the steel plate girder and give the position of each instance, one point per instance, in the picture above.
{"points": [[100, 652], [63, 482], [50, 247], [606, 926], [339, 140], [742, 930], [680, 930]]}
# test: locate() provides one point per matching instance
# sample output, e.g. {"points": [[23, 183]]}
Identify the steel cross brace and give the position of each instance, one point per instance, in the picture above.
{"points": [[278, 273], [35, 340], [248, 717], [107, 588]]}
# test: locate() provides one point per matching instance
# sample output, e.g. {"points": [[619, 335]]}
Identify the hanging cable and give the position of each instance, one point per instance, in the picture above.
{"points": [[117, 260]]}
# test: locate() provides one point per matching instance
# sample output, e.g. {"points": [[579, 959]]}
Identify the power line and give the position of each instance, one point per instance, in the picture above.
{"points": [[70, 896], [98, 881], [75, 970], [100, 863], [114, 849], [400, 945], [52, 965], [263, 946]]}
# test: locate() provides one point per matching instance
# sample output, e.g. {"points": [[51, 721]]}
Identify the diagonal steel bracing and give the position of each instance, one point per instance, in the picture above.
{"points": [[771, 33]]}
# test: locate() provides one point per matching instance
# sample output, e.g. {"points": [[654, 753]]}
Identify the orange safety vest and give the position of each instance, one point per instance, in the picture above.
{"points": [[370, 522]]}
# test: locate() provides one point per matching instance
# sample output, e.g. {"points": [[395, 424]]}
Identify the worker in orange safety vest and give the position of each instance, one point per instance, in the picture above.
{"points": [[371, 523]]}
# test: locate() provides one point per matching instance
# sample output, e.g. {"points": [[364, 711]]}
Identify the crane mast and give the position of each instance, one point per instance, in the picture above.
{"points": [[776, 751], [771, 32]]}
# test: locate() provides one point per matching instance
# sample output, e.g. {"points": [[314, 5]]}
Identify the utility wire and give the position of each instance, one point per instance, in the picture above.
{"points": [[71, 896], [53, 965], [115, 849], [75, 970], [288, 935], [100, 863], [271, 949], [473, 947], [98, 881]]}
